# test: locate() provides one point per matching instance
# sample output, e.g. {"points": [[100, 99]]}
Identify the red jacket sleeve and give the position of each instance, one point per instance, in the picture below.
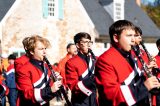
{"points": [[106, 80], [71, 76], [24, 84]]}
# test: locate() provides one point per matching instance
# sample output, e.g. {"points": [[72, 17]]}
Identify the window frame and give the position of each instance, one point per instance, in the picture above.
{"points": [[53, 9]]}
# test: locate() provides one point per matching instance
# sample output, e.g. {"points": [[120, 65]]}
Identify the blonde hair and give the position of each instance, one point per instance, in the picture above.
{"points": [[25, 41], [32, 42]]}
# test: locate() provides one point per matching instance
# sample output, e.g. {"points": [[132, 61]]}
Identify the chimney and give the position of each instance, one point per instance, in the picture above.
{"points": [[138, 2]]}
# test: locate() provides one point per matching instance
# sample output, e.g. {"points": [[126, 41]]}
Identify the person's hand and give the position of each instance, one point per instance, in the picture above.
{"points": [[58, 76], [152, 64], [56, 85], [151, 83]]}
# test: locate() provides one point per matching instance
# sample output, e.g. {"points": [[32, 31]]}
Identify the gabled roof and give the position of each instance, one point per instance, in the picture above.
{"points": [[5, 5], [98, 15], [102, 19]]}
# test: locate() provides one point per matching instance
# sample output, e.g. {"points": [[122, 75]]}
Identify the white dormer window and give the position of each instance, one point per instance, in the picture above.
{"points": [[118, 10], [53, 8]]}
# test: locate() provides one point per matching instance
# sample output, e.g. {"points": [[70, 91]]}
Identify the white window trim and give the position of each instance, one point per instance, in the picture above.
{"points": [[55, 10]]}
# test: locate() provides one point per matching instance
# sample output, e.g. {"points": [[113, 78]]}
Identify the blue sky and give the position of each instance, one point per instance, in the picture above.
{"points": [[150, 0], [147, 1]]}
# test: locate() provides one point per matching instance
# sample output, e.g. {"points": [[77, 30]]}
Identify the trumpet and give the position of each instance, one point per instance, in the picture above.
{"points": [[145, 69]]}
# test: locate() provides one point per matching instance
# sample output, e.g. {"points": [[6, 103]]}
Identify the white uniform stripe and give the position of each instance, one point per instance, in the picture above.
{"points": [[44, 102], [90, 63], [127, 95], [132, 75], [84, 89], [10, 71], [37, 95], [37, 91], [138, 70], [39, 81], [44, 83], [130, 78], [136, 67], [4, 87], [86, 72]]}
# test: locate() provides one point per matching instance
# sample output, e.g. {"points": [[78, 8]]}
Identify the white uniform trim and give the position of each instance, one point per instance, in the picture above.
{"points": [[10, 71], [132, 75], [44, 102], [39, 81], [4, 87], [37, 91], [127, 95], [86, 71], [37, 95], [130, 78], [44, 85], [138, 70], [84, 89]]}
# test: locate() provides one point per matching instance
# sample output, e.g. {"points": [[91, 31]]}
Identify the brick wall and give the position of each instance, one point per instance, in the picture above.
{"points": [[27, 20]]}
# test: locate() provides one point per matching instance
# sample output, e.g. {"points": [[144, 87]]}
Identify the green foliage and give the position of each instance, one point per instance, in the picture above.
{"points": [[153, 12], [157, 2]]}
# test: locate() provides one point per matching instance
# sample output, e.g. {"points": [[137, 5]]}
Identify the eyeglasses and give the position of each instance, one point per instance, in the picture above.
{"points": [[86, 42]]}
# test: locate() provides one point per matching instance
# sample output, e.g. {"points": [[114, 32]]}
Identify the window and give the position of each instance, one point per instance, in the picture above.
{"points": [[53, 8], [118, 10]]}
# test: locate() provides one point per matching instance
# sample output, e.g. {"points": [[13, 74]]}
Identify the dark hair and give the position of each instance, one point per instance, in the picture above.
{"points": [[117, 28], [69, 45], [158, 42], [81, 35], [12, 56], [55, 64], [138, 30]]}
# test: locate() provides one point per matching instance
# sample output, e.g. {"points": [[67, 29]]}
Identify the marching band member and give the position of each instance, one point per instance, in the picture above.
{"points": [[71, 51], [80, 73], [158, 63], [19, 62], [158, 55], [35, 87], [119, 80], [10, 80], [4, 90]]}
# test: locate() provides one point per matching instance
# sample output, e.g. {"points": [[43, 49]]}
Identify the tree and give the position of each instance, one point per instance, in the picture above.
{"points": [[157, 2], [153, 11]]}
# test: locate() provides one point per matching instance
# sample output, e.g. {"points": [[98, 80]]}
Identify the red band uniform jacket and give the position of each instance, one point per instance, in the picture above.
{"points": [[10, 77], [80, 82], [4, 90], [158, 60], [33, 84], [19, 62], [118, 83], [157, 97]]}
